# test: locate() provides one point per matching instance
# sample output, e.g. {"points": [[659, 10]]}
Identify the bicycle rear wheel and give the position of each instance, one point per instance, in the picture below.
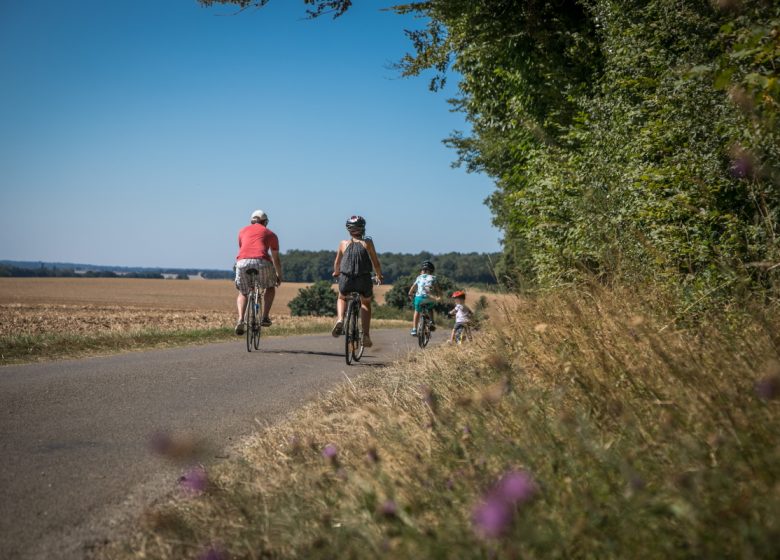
{"points": [[423, 331], [257, 327], [349, 332], [250, 319]]}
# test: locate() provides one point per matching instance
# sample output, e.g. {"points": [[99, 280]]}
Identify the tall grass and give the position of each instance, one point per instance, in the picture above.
{"points": [[579, 425]]}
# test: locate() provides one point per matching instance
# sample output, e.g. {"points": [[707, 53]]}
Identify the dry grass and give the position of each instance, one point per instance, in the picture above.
{"points": [[612, 438]]}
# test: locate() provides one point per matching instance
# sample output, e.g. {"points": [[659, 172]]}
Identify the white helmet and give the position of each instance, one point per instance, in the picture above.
{"points": [[260, 215]]}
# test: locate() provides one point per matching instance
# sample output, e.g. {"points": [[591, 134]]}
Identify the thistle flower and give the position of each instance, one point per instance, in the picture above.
{"points": [[195, 480], [331, 453], [388, 508], [492, 517]]}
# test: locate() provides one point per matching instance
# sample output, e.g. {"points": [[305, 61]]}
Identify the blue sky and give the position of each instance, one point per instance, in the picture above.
{"points": [[144, 133]]}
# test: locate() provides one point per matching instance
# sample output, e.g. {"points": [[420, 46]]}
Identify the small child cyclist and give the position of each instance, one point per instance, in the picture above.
{"points": [[424, 287], [462, 314]]}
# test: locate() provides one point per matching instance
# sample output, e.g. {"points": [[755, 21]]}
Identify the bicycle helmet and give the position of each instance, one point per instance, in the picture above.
{"points": [[428, 265], [458, 294], [356, 224], [261, 216]]}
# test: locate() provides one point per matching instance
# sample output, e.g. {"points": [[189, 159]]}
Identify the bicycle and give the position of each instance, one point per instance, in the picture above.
{"points": [[252, 318], [353, 338], [424, 325], [462, 332]]}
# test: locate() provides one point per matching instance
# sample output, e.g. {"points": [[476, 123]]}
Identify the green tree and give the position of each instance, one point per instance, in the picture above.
{"points": [[319, 300]]}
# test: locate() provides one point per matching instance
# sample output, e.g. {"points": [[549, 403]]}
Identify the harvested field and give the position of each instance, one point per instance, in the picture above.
{"points": [[43, 318], [198, 295]]}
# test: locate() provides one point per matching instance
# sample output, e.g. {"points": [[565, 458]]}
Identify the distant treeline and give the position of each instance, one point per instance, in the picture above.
{"points": [[44, 272], [467, 268], [299, 266]]}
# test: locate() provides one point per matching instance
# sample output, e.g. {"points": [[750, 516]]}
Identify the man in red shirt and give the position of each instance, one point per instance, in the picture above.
{"points": [[258, 248]]}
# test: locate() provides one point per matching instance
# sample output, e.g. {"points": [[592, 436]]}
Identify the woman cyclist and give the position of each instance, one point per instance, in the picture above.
{"points": [[355, 259]]}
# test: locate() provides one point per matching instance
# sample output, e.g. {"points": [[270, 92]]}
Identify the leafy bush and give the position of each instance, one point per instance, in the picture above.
{"points": [[319, 300]]}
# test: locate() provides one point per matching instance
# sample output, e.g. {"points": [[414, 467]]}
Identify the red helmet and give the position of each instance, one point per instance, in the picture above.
{"points": [[459, 293]]}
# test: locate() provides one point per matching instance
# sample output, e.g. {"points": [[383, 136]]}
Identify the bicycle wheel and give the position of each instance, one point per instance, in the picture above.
{"points": [[257, 327], [348, 332], [423, 330], [250, 319]]}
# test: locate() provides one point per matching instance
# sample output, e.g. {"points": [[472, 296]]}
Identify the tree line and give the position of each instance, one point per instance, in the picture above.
{"points": [[298, 266]]}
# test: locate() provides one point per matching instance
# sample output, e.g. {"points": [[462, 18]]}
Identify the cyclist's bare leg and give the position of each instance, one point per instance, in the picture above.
{"points": [[416, 319], [268, 299], [241, 304], [365, 313], [341, 307]]}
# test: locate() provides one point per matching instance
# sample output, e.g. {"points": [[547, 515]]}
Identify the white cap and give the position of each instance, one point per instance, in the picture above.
{"points": [[259, 214]]}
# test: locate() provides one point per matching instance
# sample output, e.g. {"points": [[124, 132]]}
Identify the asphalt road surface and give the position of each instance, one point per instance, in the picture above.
{"points": [[75, 435]]}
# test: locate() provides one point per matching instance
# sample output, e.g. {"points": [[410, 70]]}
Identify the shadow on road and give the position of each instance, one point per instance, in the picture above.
{"points": [[320, 353]]}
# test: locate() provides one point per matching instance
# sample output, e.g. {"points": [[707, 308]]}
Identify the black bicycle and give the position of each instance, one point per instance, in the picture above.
{"points": [[353, 343], [252, 313], [424, 327]]}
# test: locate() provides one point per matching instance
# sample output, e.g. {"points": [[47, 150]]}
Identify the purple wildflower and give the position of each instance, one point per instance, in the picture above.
{"points": [[194, 481], [388, 508], [330, 452], [492, 517], [516, 487]]}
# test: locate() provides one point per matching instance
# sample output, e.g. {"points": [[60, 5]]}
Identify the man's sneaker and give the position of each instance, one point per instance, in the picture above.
{"points": [[367, 341], [338, 328], [266, 322], [240, 328], [414, 332], [433, 327]]}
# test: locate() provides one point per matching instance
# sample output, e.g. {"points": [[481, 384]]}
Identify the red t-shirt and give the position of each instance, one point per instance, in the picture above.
{"points": [[254, 241]]}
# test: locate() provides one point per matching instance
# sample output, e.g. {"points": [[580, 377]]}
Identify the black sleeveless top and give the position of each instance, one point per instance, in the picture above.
{"points": [[356, 261]]}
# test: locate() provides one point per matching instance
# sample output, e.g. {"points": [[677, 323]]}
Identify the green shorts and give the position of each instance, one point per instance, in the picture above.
{"points": [[422, 302]]}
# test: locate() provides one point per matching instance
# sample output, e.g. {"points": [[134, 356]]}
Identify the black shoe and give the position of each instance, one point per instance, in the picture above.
{"points": [[266, 322], [240, 328]]}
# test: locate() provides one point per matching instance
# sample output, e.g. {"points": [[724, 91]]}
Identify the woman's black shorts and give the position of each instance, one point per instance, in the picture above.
{"points": [[361, 284]]}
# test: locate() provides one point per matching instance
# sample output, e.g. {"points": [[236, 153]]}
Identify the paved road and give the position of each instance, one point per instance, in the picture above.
{"points": [[75, 458]]}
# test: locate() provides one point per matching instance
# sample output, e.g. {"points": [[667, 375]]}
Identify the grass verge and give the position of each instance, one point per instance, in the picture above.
{"points": [[578, 426], [25, 348]]}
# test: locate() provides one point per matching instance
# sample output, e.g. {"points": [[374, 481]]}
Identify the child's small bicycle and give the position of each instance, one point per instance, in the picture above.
{"points": [[462, 332]]}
